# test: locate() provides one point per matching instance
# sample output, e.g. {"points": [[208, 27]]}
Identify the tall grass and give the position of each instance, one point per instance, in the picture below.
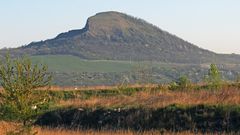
{"points": [[156, 99]]}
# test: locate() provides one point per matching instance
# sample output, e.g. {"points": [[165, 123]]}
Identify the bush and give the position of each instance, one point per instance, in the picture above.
{"points": [[183, 83], [19, 78]]}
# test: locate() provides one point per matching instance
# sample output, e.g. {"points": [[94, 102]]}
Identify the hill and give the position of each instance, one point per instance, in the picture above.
{"points": [[114, 47], [117, 36]]}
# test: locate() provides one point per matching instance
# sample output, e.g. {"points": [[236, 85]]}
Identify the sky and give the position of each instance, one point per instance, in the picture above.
{"points": [[209, 24]]}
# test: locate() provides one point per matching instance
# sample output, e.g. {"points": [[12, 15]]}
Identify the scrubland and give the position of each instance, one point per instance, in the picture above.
{"points": [[149, 97]]}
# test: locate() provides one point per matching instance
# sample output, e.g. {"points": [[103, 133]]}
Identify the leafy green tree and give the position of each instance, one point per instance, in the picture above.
{"points": [[18, 100], [214, 78]]}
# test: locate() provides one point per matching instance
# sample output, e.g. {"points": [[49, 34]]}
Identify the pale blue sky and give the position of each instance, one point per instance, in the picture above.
{"points": [[210, 24]]}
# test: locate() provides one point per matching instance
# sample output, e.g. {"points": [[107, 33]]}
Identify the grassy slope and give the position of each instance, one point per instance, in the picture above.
{"points": [[70, 69], [67, 63]]}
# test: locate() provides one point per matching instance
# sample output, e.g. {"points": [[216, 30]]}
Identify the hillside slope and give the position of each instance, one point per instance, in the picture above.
{"points": [[71, 70]]}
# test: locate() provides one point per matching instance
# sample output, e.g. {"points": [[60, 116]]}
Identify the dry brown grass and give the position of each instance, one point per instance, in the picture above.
{"points": [[103, 87], [92, 132], [8, 126], [100, 87], [227, 96]]}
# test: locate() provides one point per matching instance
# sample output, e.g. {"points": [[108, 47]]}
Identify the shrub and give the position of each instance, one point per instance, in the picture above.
{"points": [[183, 83], [173, 86], [19, 78]]}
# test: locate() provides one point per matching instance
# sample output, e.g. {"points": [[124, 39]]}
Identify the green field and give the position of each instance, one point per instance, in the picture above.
{"points": [[68, 63]]}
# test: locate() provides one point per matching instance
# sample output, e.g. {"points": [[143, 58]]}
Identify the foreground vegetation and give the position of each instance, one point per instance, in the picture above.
{"points": [[223, 99], [26, 102]]}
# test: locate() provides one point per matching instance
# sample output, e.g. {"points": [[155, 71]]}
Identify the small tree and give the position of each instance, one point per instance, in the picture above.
{"points": [[184, 83], [213, 78], [18, 100]]}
